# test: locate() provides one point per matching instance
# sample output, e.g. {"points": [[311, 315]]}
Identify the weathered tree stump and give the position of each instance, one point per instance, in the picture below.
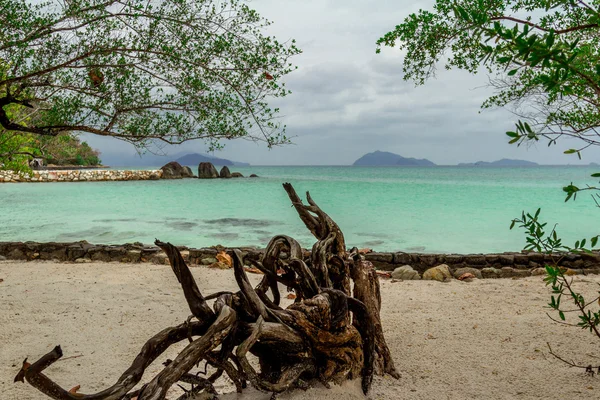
{"points": [[331, 333]]}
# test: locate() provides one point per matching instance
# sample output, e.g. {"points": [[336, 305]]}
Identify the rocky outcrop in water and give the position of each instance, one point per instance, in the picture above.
{"points": [[174, 170], [207, 171], [225, 173]]}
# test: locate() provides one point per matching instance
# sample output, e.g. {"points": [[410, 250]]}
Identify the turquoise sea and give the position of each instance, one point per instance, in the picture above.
{"points": [[434, 209]]}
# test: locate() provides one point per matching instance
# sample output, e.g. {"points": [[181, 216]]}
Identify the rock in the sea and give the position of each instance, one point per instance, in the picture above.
{"points": [[174, 170], [253, 176], [237, 175], [189, 172], [207, 171], [474, 271], [441, 273], [225, 173], [405, 272]]}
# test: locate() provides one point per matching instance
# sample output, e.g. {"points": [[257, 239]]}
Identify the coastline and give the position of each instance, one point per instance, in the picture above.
{"points": [[79, 175], [493, 265]]}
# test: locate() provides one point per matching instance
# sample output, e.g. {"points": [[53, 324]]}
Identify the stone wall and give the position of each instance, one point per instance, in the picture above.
{"points": [[80, 176], [490, 265]]}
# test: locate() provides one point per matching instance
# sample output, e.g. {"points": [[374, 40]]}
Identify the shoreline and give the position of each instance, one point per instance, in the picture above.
{"points": [[79, 175], [492, 265]]}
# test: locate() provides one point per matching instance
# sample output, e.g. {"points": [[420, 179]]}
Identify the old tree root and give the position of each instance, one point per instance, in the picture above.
{"points": [[331, 333]]}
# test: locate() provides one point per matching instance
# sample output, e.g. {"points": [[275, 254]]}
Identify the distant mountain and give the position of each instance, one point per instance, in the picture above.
{"points": [[195, 159], [505, 162], [386, 159], [155, 160]]}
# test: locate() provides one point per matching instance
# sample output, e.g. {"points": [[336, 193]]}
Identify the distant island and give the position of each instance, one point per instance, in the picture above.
{"points": [[505, 162], [196, 158], [387, 159], [157, 160]]}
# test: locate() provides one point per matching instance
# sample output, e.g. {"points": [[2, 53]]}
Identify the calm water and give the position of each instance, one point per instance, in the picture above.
{"points": [[439, 209]]}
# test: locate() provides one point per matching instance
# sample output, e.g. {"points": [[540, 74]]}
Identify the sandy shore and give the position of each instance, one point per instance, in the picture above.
{"points": [[480, 340]]}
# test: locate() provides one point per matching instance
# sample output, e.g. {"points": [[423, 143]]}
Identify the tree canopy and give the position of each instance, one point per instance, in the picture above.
{"points": [[141, 70], [544, 56]]}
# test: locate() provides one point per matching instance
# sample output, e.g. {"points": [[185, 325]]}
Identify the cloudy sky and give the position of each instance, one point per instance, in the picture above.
{"points": [[348, 101]]}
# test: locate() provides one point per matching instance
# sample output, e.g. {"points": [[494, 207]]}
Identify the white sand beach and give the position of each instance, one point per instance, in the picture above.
{"points": [[480, 340]]}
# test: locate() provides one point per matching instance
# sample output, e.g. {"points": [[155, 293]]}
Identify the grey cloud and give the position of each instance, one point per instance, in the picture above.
{"points": [[348, 101]]}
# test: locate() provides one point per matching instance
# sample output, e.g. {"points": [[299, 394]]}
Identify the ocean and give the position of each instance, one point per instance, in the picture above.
{"points": [[413, 209]]}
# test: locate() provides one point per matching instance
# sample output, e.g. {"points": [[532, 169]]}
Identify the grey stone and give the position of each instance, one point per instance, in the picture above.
{"points": [[100, 255], [174, 170], [208, 261], [17, 254], [160, 258], [428, 259], [538, 271], [522, 259], [406, 272], [492, 273], [537, 257], [83, 260], [467, 270], [475, 259], [441, 273], [454, 259], [225, 173], [207, 171], [506, 259], [2, 258], [381, 261], [134, 256], [75, 251], [188, 172], [402, 258]]}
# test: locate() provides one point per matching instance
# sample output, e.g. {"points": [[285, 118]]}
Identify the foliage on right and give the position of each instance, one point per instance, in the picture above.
{"points": [[544, 57]]}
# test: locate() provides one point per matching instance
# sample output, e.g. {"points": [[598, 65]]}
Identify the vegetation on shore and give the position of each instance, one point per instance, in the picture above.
{"points": [[141, 72]]}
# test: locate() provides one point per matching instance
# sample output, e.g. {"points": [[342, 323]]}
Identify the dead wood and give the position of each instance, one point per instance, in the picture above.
{"points": [[331, 333]]}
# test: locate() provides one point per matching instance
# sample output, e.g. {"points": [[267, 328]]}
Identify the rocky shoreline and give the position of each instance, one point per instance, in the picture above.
{"points": [[404, 265], [172, 170], [80, 175]]}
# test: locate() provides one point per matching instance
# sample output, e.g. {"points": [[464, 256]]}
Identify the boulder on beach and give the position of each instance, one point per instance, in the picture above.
{"points": [[467, 270], [225, 173], [406, 272], [207, 171], [441, 273], [174, 170]]}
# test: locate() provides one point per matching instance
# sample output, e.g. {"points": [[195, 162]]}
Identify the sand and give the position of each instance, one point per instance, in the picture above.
{"points": [[480, 340]]}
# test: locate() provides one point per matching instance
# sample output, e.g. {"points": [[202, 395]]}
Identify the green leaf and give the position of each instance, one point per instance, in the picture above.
{"points": [[512, 72], [561, 315], [570, 151]]}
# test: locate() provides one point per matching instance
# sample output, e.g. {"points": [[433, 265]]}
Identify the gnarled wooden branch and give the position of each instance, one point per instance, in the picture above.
{"points": [[331, 333]]}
